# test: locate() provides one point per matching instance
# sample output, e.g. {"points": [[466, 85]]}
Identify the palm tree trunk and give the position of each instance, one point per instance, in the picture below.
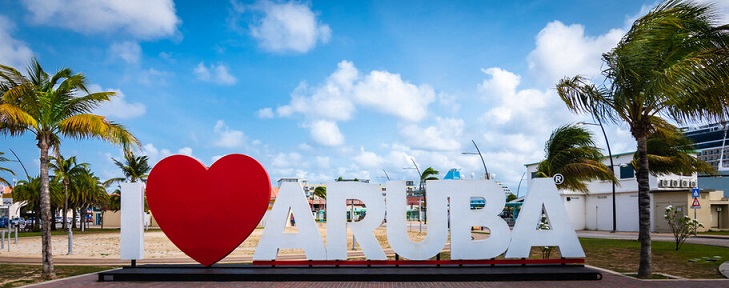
{"points": [[644, 212], [45, 203]]}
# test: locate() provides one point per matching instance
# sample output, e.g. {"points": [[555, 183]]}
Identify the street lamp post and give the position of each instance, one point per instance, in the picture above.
{"points": [[612, 167], [519, 187], [486, 171]]}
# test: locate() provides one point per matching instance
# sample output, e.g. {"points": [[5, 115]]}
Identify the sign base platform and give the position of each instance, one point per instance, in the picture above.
{"points": [[247, 272]]}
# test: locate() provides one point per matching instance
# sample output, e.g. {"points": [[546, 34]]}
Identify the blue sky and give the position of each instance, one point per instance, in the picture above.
{"points": [[323, 89]]}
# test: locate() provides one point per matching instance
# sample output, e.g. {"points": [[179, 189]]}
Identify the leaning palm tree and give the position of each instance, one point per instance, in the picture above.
{"points": [[64, 170], [673, 62], [570, 151], [51, 107], [3, 169]]}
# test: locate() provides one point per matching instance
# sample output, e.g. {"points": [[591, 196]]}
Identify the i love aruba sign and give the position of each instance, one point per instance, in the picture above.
{"points": [[226, 202]]}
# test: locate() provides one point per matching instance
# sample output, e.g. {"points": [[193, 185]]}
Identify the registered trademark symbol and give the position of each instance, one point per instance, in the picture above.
{"points": [[558, 178]]}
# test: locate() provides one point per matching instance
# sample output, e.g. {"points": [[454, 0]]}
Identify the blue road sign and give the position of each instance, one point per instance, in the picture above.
{"points": [[695, 192]]}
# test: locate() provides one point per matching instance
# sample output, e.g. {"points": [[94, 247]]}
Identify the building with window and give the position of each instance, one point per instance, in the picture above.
{"points": [[594, 210]]}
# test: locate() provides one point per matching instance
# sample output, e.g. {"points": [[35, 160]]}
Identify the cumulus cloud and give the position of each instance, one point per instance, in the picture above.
{"points": [[338, 97], [214, 73], [129, 51], [367, 159], [388, 93], [443, 136], [140, 18], [227, 138], [326, 133], [13, 53], [286, 27], [510, 105], [118, 107], [265, 113], [565, 51]]}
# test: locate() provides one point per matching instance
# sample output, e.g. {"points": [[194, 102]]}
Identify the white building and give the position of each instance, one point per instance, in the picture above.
{"points": [[594, 210]]}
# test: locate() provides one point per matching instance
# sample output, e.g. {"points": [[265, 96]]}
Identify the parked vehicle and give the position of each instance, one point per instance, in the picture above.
{"points": [[18, 221]]}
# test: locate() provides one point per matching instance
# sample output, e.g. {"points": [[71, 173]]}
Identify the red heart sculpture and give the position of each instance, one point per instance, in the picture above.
{"points": [[207, 213]]}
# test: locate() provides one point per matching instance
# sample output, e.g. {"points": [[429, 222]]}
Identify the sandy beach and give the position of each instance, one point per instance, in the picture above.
{"points": [[156, 245]]}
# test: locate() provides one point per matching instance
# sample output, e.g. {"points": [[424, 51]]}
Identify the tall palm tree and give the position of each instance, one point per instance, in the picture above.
{"points": [[64, 170], [570, 151], [673, 62], [51, 107], [3, 169]]}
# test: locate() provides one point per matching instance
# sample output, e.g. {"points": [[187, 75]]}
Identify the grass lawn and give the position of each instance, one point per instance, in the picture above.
{"points": [[21, 275], [689, 262]]}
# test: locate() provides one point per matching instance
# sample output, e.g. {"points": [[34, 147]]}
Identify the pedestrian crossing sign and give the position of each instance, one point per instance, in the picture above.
{"points": [[696, 204]]}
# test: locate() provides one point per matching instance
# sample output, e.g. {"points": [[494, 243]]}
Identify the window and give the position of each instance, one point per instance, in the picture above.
{"points": [[627, 172]]}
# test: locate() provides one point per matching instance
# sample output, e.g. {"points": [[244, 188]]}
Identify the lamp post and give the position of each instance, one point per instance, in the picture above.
{"points": [[612, 166], [486, 171], [421, 191], [519, 187]]}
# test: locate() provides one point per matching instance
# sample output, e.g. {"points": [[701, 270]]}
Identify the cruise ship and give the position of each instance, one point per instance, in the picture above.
{"points": [[710, 141]]}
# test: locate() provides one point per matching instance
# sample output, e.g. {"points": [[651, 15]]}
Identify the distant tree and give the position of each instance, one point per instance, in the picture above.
{"points": [[134, 168], [570, 151], [510, 197], [321, 191], [64, 170]]}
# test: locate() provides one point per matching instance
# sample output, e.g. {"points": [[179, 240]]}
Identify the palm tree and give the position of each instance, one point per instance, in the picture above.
{"points": [[321, 191], [670, 152], [88, 192], [51, 107], [64, 170], [29, 192], [672, 62], [570, 151], [3, 169], [135, 168], [428, 174]]}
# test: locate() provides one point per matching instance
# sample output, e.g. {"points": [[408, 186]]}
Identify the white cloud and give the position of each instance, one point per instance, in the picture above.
{"points": [[13, 53], [185, 151], [326, 133], [118, 107], [265, 113], [214, 73], [287, 27], [227, 138], [367, 159], [337, 99], [444, 136], [129, 51], [565, 51], [511, 105], [388, 93], [140, 18]]}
